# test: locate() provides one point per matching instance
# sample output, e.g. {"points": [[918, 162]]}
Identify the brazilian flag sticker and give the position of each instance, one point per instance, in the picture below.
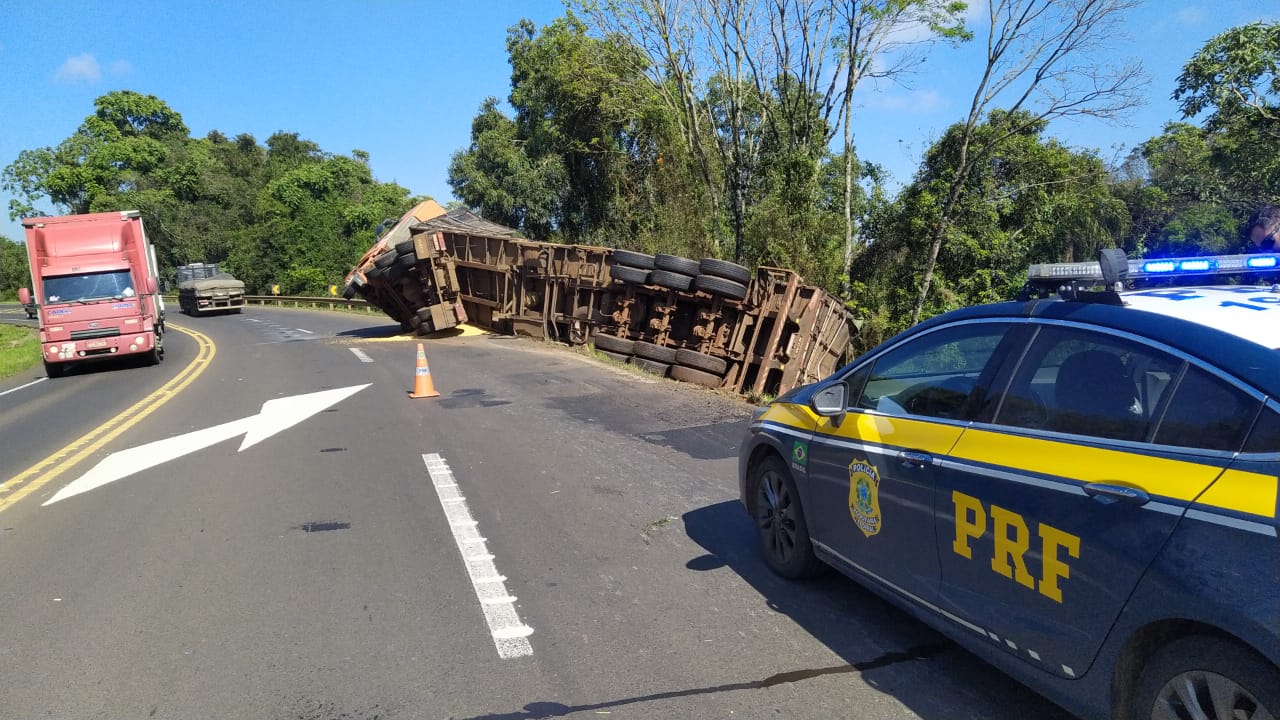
{"points": [[800, 453]]}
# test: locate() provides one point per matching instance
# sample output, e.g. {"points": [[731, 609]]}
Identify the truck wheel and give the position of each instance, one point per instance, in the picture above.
{"points": [[610, 343], [697, 377], [701, 361], [629, 274], [1201, 676], [649, 366], [670, 280], [656, 353], [385, 259], [675, 264], [779, 520], [719, 286], [54, 370], [632, 259], [724, 269], [404, 246]]}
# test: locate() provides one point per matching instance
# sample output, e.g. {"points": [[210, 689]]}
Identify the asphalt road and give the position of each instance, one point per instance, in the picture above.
{"points": [[318, 573]]}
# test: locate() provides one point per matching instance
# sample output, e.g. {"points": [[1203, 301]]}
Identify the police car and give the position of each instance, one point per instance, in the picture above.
{"points": [[1079, 486]]}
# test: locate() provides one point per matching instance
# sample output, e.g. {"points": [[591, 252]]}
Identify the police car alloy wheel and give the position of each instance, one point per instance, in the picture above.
{"points": [[1204, 677], [780, 522]]}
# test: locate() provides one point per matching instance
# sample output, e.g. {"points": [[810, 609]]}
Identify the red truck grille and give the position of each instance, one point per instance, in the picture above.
{"points": [[95, 333]]}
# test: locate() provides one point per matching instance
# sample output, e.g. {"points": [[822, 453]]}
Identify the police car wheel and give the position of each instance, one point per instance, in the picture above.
{"points": [[780, 522], [1207, 677]]}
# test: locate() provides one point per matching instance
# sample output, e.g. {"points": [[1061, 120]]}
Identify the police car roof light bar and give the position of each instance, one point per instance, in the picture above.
{"points": [[1138, 269]]}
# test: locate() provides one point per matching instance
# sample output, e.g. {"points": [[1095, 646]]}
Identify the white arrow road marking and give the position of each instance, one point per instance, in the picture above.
{"points": [[277, 415], [510, 634]]}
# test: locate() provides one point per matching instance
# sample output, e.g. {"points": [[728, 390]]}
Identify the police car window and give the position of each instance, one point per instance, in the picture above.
{"points": [[1265, 437], [932, 375], [1207, 413], [1086, 383]]}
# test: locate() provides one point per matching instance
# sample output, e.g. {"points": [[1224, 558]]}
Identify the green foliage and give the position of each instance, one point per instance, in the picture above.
{"points": [[1032, 200], [14, 273], [288, 213]]}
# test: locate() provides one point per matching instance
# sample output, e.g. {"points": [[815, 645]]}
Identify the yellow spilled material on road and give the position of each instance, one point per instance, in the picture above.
{"points": [[37, 476], [459, 331]]}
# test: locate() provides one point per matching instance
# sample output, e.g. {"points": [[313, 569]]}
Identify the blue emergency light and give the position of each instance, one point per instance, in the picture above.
{"points": [[1055, 275]]}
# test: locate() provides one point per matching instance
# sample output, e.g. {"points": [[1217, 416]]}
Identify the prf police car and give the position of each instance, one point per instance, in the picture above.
{"points": [[1082, 489]]}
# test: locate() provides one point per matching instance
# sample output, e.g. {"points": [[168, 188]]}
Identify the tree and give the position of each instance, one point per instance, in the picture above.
{"points": [[111, 152], [1037, 60], [1030, 200], [1235, 78], [732, 71], [14, 273], [497, 176]]}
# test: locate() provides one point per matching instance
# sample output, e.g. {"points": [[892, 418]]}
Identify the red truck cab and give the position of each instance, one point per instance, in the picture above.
{"points": [[94, 288]]}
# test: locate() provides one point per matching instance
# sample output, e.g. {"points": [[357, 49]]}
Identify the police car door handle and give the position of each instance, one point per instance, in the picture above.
{"points": [[1107, 494], [914, 458]]}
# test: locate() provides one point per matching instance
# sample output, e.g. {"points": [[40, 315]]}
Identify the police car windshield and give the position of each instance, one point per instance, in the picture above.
{"points": [[88, 286]]}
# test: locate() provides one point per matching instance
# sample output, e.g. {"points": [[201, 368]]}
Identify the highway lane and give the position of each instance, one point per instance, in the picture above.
{"points": [[315, 574]]}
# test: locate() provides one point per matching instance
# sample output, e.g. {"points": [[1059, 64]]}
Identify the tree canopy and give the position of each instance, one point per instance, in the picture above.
{"points": [[288, 213], [725, 128]]}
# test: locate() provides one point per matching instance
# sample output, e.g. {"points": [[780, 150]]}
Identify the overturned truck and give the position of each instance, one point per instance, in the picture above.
{"points": [[204, 288], [710, 322]]}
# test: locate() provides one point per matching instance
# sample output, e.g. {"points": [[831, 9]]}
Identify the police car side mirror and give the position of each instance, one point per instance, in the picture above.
{"points": [[830, 401]]}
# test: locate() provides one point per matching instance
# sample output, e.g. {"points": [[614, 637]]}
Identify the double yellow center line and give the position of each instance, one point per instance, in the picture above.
{"points": [[43, 472]]}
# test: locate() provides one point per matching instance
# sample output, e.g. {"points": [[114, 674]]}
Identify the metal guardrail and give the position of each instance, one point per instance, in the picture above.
{"points": [[331, 303]]}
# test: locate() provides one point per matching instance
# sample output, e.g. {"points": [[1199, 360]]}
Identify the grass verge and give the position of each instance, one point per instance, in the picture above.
{"points": [[19, 349]]}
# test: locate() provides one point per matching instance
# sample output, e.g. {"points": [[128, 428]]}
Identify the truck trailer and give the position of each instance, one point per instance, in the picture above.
{"points": [[94, 289]]}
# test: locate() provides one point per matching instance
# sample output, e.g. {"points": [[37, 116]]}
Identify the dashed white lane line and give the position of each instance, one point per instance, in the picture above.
{"points": [[304, 331], [510, 634], [33, 382], [360, 354]]}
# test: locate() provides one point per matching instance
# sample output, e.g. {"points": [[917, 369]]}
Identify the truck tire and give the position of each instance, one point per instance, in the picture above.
{"points": [[616, 357], [675, 264], [656, 353], [611, 343], [349, 291], [701, 361], [404, 246], [671, 280], [628, 258], [649, 366], [629, 274], [724, 269], [385, 259], [697, 377], [407, 260], [54, 370], [713, 285], [376, 275]]}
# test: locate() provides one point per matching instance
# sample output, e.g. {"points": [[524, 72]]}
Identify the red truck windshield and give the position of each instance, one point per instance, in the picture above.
{"points": [[90, 286]]}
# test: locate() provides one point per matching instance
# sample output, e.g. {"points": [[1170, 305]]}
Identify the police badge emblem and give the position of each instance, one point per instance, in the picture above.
{"points": [[864, 496]]}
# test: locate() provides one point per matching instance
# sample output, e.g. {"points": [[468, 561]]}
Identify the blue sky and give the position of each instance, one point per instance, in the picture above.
{"points": [[402, 80]]}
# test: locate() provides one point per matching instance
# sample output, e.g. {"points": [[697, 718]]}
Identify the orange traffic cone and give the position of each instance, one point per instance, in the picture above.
{"points": [[422, 385]]}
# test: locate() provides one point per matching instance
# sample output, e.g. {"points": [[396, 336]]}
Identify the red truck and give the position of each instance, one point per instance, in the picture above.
{"points": [[95, 293]]}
